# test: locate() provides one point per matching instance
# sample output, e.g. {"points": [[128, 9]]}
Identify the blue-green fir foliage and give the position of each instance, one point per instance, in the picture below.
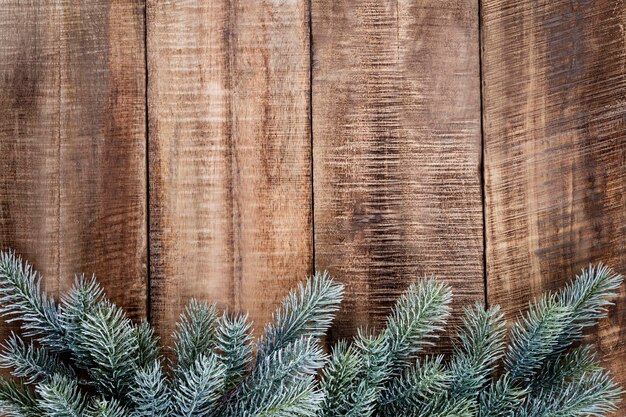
{"points": [[82, 356]]}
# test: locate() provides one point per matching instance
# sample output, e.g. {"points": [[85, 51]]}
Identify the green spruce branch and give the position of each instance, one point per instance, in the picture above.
{"points": [[82, 357]]}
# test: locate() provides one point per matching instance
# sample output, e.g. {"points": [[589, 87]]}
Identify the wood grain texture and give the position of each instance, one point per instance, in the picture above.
{"points": [[396, 150], [72, 142], [230, 175], [555, 150]]}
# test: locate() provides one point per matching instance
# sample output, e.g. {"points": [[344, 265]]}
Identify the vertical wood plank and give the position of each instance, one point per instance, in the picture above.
{"points": [[229, 145], [396, 150], [555, 150], [72, 142], [29, 133]]}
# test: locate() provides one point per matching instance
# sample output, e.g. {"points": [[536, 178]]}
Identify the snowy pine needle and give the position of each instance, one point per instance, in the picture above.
{"points": [[82, 357], [307, 311]]}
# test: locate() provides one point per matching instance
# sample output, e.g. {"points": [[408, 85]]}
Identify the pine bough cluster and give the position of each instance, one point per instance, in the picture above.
{"points": [[82, 357]]}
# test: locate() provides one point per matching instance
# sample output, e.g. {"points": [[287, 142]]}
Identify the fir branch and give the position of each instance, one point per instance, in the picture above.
{"points": [[375, 352], [101, 407], [307, 311], [479, 346], [83, 299], [150, 393], [380, 375], [501, 398], [442, 405], [415, 388], [31, 363], [23, 300], [569, 366], [589, 292], [593, 394], [17, 401], [282, 383], [340, 380], [536, 337], [300, 398], [198, 389], [357, 389], [419, 313], [234, 344], [587, 296], [195, 334], [147, 344], [61, 397], [376, 370], [108, 341]]}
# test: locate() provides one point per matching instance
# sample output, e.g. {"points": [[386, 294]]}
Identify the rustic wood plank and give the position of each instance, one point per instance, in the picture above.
{"points": [[229, 145], [29, 133], [555, 150], [396, 150], [72, 142]]}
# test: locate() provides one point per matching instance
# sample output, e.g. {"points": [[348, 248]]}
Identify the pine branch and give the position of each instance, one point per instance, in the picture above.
{"points": [[376, 370], [150, 393], [109, 344], [557, 321], [195, 334], [60, 397], [234, 344], [350, 382], [375, 352], [442, 405], [536, 337], [23, 300], [282, 383], [105, 408], [147, 344], [300, 398], [32, 363], [340, 378], [594, 395], [83, 299], [378, 375], [419, 313], [480, 345], [307, 311], [569, 366], [17, 401], [415, 388], [198, 388], [501, 398], [588, 298], [356, 376]]}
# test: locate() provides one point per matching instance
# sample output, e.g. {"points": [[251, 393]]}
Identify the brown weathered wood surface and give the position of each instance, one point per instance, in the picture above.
{"points": [[555, 150], [72, 142], [244, 198], [230, 182], [396, 150]]}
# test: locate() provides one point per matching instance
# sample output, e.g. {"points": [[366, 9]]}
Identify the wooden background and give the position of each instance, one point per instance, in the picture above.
{"points": [[226, 149]]}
